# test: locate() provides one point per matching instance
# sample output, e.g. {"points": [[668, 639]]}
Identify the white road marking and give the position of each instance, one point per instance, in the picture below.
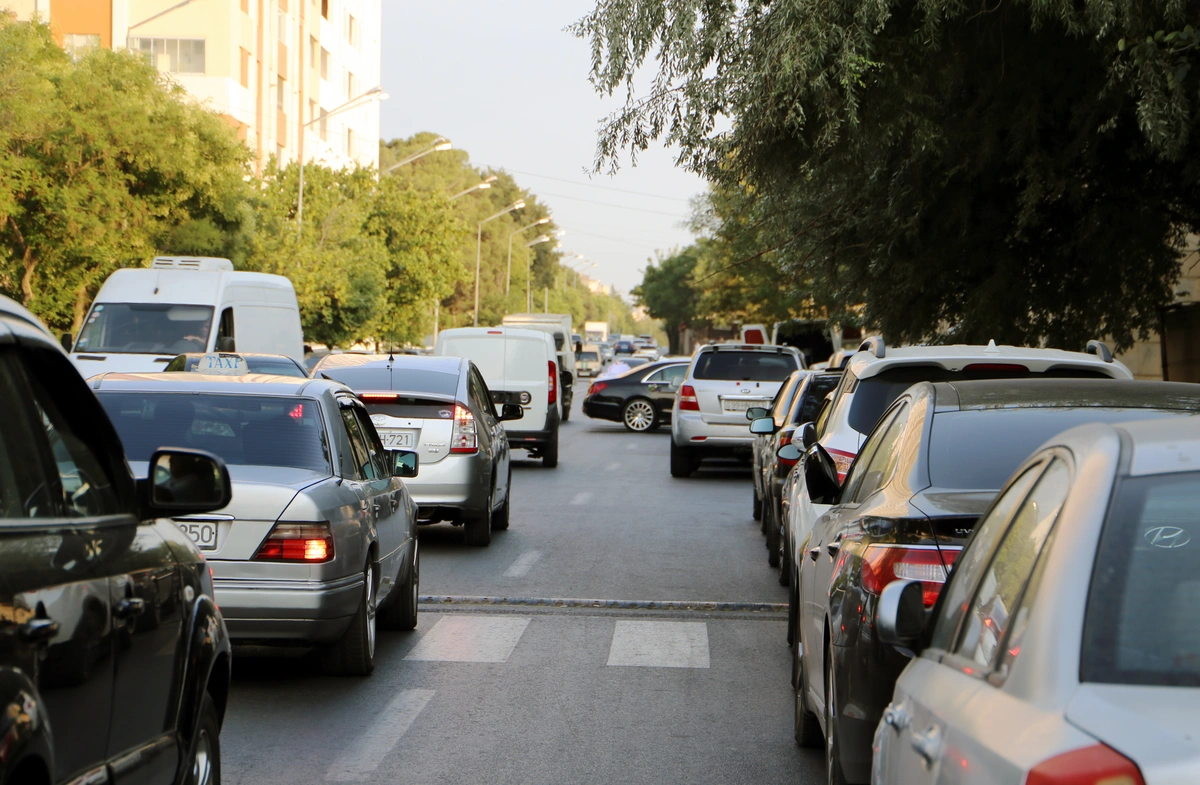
{"points": [[660, 644], [612, 467], [581, 498], [470, 639], [366, 751], [524, 563]]}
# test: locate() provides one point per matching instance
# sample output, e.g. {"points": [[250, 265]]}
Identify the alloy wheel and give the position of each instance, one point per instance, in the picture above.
{"points": [[371, 610], [202, 765], [639, 416]]}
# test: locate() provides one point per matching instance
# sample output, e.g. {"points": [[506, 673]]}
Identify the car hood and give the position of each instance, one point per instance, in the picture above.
{"points": [[260, 493], [1157, 727]]}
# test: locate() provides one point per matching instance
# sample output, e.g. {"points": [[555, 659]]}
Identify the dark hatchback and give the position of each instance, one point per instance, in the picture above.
{"points": [[640, 399], [929, 468], [114, 659]]}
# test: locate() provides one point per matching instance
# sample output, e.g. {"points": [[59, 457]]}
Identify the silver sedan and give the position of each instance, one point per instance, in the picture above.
{"points": [[1065, 647], [320, 536]]}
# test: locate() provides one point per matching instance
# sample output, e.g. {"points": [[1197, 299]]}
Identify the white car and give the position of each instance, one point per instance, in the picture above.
{"points": [[1066, 646], [722, 383]]}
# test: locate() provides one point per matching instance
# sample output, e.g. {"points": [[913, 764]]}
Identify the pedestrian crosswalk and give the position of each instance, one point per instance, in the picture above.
{"points": [[470, 639]]}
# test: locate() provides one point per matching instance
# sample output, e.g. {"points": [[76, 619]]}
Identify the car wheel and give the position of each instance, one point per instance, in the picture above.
{"points": [[204, 759], [773, 535], [833, 751], [805, 729], [757, 505], [638, 415], [500, 516], [785, 563], [550, 452], [566, 415], [682, 464], [354, 654], [401, 613], [477, 530]]}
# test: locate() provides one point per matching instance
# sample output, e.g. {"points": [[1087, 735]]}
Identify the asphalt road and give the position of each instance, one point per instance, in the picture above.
{"points": [[525, 693]]}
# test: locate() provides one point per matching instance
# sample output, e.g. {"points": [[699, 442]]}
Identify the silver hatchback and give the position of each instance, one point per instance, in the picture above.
{"points": [[320, 535]]}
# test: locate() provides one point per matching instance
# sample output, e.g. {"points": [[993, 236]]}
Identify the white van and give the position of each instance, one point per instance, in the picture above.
{"points": [[519, 367], [142, 318], [559, 326]]}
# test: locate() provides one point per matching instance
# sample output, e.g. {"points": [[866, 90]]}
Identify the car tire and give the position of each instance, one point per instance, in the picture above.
{"points": [[806, 731], [401, 613], [354, 653], [477, 530], [785, 561], [773, 534], [638, 415], [203, 765], [550, 451], [758, 504], [833, 750], [500, 517], [566, 415], [682, 464]]}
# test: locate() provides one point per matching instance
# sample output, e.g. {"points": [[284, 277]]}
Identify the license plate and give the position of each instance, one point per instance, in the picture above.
{"points": [[203, 534], [399, 440], [738, 406]]}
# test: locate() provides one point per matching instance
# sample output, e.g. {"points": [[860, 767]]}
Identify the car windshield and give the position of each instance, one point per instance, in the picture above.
{"points": [[244, 430], [744, 366], [589, 356], [978, 449], [145, 328], [1143, 610]]}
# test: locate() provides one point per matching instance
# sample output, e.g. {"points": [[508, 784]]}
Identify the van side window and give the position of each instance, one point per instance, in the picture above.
{"points": [[226, 341]]}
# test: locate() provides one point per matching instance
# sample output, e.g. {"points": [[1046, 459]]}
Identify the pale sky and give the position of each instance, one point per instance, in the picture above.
{"points": [[502, 80]]}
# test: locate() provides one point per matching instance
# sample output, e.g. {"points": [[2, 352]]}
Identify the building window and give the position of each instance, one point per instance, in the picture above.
{"points": [[245, 73], [350, 142], [351, 86], [325, 8], [77, 44], [351, 30], [324, 63], [281, 23], [176, 55], [323, 126], [281, 93], [313, 49]]}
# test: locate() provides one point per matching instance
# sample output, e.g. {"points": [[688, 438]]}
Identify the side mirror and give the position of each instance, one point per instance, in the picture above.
{"points": [[66, 339], [757, 413], [676, 383], [511, 411], [186, 482], [405, 463], [788, 452], [900, 616], [807, 434], [763, 425], [820, 476]]}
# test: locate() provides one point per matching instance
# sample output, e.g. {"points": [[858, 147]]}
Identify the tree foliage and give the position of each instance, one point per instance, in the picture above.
{"points": [[1025, 170], [668, 291]]}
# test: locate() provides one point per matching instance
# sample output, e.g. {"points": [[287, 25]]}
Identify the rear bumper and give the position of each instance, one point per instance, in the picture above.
{"points": [[688, 429], [288, 610], [534, 439], [455, 483], [600, 409]]}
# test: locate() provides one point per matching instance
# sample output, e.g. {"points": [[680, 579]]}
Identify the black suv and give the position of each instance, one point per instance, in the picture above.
{"points": [[114, 661]]}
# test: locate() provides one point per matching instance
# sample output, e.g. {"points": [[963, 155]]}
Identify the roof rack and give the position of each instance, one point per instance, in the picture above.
{"points": [[875, 346], [1100, 349]]}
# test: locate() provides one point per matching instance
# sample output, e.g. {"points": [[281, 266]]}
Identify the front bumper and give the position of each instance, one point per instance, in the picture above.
{"points": [[456, 483], [286, 610], [688, 429]]}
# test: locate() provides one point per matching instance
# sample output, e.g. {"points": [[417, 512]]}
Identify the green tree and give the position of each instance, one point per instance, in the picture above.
{"points": [[668, 292], [1026, 172]]}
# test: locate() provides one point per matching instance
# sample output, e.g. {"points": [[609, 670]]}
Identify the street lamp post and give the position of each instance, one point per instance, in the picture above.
{"points": [[511, 235], [517, 205], [438, 145], [483, 185], [374, 92]]}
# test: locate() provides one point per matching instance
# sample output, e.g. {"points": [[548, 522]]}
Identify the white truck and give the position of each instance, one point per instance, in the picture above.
{"points": [[595, 332], [142, 318], [559, 327]]}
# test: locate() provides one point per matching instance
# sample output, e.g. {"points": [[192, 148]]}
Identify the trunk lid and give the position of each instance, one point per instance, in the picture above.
{"points": [[423, 423]]}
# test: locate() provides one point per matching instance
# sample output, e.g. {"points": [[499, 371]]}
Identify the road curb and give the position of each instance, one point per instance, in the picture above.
{"points": [[632, 605]]}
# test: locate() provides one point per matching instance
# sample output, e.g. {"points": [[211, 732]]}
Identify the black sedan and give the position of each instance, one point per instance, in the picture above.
{"points": [[641, 399]]}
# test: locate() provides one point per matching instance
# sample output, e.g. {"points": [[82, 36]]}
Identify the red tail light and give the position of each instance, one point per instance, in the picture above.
{"points": [[298, 542], [379, 397], [596, 387], [687, 399], [463, 438], [841, 461], [1095, 765], [553, 382], [882, 564], [786, 438]]}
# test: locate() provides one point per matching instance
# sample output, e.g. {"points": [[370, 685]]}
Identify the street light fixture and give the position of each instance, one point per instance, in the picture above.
{"points": [[481, 186], [440, 144], [517, 205], [373, 93], [511, 235], [541, 238], [581, 269]]}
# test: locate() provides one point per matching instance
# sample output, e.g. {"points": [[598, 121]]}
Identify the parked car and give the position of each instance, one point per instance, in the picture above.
{"points": [[641, 399], [238, 363], [723, 381], [519, 367], [876, 375], [911, 499], [103, 596], [1064, 647], [441, 408], [774, 411], [320, 536]]}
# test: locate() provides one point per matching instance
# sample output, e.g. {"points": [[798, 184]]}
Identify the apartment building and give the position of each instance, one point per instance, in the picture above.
{"points": [[279, 71]]}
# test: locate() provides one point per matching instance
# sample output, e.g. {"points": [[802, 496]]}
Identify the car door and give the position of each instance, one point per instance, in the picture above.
{"points": [[930, 693], [658, 387], [357, 473], [380, 491], [493, 429]]}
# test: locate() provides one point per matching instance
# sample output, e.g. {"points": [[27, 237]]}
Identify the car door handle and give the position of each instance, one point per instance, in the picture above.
{"points": [[376, 507], [813, 553], [897, 717], [927, 744], [37, 630], [129, 607], [834, 546]]}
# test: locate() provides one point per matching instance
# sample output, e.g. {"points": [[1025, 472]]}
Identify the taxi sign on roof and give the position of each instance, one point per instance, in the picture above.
{"points": [[222, 364]]}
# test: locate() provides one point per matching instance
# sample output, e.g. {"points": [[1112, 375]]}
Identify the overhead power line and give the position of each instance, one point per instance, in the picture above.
{"points": [[680, 216], [594, 185]]}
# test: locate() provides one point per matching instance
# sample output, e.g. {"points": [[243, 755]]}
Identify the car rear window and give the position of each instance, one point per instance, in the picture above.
{"points": [[1142, 624], [979, 449], [744, 366], [253, 430], [874, 394], [408, 406], [399, 379]]}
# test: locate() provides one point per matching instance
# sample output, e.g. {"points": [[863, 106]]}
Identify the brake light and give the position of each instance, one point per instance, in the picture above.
{"points": [[841, 461], [596, 387], [553, 398], [298, 412], [463, 438], [784, 439], [1095, 765], [687, 399], [1002, 367], [882, 564], [379, 397], [300, 542]]}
